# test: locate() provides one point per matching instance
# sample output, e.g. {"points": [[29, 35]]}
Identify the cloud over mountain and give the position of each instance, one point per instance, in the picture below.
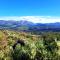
{"points": [[35, 19]]}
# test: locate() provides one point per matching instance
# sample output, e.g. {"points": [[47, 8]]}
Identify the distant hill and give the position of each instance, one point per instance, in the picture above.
{"points": [[24, 25]]}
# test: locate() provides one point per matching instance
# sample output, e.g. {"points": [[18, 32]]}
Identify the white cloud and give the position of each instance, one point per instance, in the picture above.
{"points": [[35, 19]]}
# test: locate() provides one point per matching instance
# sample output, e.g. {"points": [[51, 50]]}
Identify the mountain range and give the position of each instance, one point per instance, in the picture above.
{"points": [[24, 25]]}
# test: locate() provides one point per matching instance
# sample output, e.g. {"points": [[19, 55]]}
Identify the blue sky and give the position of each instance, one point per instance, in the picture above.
{"points": [[30, 9]]}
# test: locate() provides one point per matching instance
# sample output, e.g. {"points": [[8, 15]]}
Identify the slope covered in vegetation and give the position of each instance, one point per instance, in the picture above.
{"points": [[29, 46]]}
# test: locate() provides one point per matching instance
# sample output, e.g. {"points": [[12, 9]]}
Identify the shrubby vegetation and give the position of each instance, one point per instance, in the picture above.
{"points": [[43, 46]]}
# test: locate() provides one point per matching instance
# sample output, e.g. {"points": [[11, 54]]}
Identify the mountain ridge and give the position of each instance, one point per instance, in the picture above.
{"points": [[29, 26]]}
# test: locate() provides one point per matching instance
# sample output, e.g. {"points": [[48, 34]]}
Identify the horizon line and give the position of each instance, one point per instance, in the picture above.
{"points": [[34, 19]]}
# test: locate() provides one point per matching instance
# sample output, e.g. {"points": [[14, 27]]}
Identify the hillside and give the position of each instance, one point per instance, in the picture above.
{"points": [[16, 45]]}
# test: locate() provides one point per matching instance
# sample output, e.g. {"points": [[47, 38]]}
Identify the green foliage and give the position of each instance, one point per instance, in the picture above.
{"points": [[44, 46]]}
